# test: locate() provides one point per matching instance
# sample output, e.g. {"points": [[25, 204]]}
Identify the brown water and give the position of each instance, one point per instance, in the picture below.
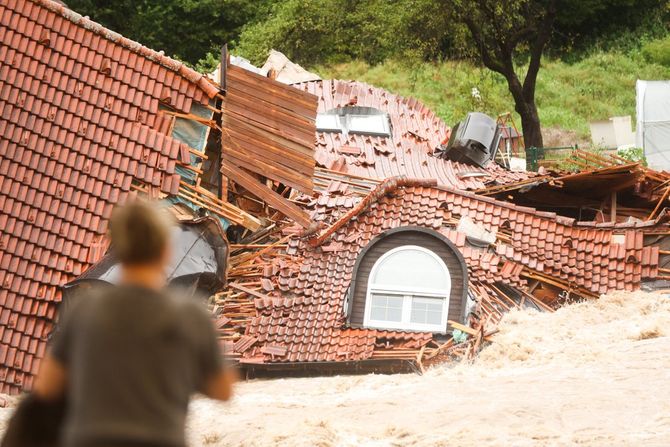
{"points": [[591, 374]]}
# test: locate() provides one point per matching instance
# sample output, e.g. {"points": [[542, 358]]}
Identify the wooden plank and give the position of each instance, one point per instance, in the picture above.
{"points": [[462, 328], [278, 154], [256, 81], [234, 123], [419, 359], [294, 133], [269, 129], [660, 202], [225, 209], [304, 160], [261, 99], [237, 159], [445, 346], [469, 330], [265, 105], [294, 103], [264, 113], [261, 191], [266, 169], [251, 292]]}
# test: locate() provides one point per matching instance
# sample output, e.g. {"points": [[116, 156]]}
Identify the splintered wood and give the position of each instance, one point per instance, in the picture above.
{"points": [[247, 263]]}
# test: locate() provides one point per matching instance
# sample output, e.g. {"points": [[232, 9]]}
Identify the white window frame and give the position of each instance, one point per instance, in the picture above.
{"points": [[337, 126], [342, 120], [407, 293], [383, 120]]}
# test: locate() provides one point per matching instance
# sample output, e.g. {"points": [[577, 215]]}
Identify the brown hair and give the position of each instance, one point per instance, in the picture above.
{"points": [[139, 232]]}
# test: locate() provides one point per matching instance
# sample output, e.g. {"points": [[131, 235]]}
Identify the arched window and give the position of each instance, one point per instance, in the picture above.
{"points": [[408, 288]]}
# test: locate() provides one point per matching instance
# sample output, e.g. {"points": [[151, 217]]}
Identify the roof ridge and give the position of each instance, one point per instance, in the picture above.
{"points": [[157, 56], [394, 183], [385, 187]]}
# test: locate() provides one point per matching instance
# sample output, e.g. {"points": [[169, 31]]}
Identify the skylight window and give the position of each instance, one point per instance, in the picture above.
{"points": [[355, 120], [328, 123]]}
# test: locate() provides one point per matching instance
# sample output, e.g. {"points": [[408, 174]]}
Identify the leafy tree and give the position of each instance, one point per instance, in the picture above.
{"points": [[185, 29], [329, 31], [658, 51], [499, 29], [507, 32]]}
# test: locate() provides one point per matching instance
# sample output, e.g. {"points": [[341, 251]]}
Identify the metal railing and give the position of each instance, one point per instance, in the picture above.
{"points": [[535, 154]]}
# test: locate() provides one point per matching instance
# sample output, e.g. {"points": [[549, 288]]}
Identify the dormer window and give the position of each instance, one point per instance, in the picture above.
{"points": [[408, 289], [355, 120]]}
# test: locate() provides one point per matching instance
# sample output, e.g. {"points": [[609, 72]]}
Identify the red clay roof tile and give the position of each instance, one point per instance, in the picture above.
{"points": [[67, 109]]}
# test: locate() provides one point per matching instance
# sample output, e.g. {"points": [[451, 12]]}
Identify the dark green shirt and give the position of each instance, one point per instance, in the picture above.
{"points": [[134, 357]]}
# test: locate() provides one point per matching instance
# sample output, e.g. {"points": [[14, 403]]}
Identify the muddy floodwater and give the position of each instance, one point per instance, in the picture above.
{"points": [[591, 374]]}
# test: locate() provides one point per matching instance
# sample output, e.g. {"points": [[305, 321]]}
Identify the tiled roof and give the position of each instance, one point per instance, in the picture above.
{"points": [[79, 124], [309, 329], [307, 318], [416, 133]]}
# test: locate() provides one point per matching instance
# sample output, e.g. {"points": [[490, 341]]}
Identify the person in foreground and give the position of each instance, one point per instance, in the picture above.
{"points": [[128, 358]]}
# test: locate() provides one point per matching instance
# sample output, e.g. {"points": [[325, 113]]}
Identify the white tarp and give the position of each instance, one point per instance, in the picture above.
{"points": [[653, 122]]}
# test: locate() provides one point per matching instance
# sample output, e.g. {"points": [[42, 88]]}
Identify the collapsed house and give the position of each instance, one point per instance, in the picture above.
{"points": [[327, 191], [89, 118], [364, 131], [383, 279], [356, 295]]}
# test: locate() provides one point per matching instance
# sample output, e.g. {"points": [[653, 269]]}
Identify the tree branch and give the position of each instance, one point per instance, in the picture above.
{"points": [[536, 50], [489, 61]]}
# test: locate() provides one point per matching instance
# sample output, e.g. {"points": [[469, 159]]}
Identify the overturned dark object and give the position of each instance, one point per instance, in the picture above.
{"points": [[199, 259], [474, 140]]}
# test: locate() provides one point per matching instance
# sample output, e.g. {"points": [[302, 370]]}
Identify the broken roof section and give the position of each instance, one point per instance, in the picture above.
{"points": [[387, 135], [607, 188], [301, 313], [81, 128], [269, 128], [89, 118], [268, 133]]}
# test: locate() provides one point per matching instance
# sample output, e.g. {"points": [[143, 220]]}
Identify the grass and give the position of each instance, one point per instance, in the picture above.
{"points": [[568, 95]]}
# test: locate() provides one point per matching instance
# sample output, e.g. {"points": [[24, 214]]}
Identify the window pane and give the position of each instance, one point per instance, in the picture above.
{"points": [[412, 268], [328, 123], [386, 308], [427, 310], [369, 124]]}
